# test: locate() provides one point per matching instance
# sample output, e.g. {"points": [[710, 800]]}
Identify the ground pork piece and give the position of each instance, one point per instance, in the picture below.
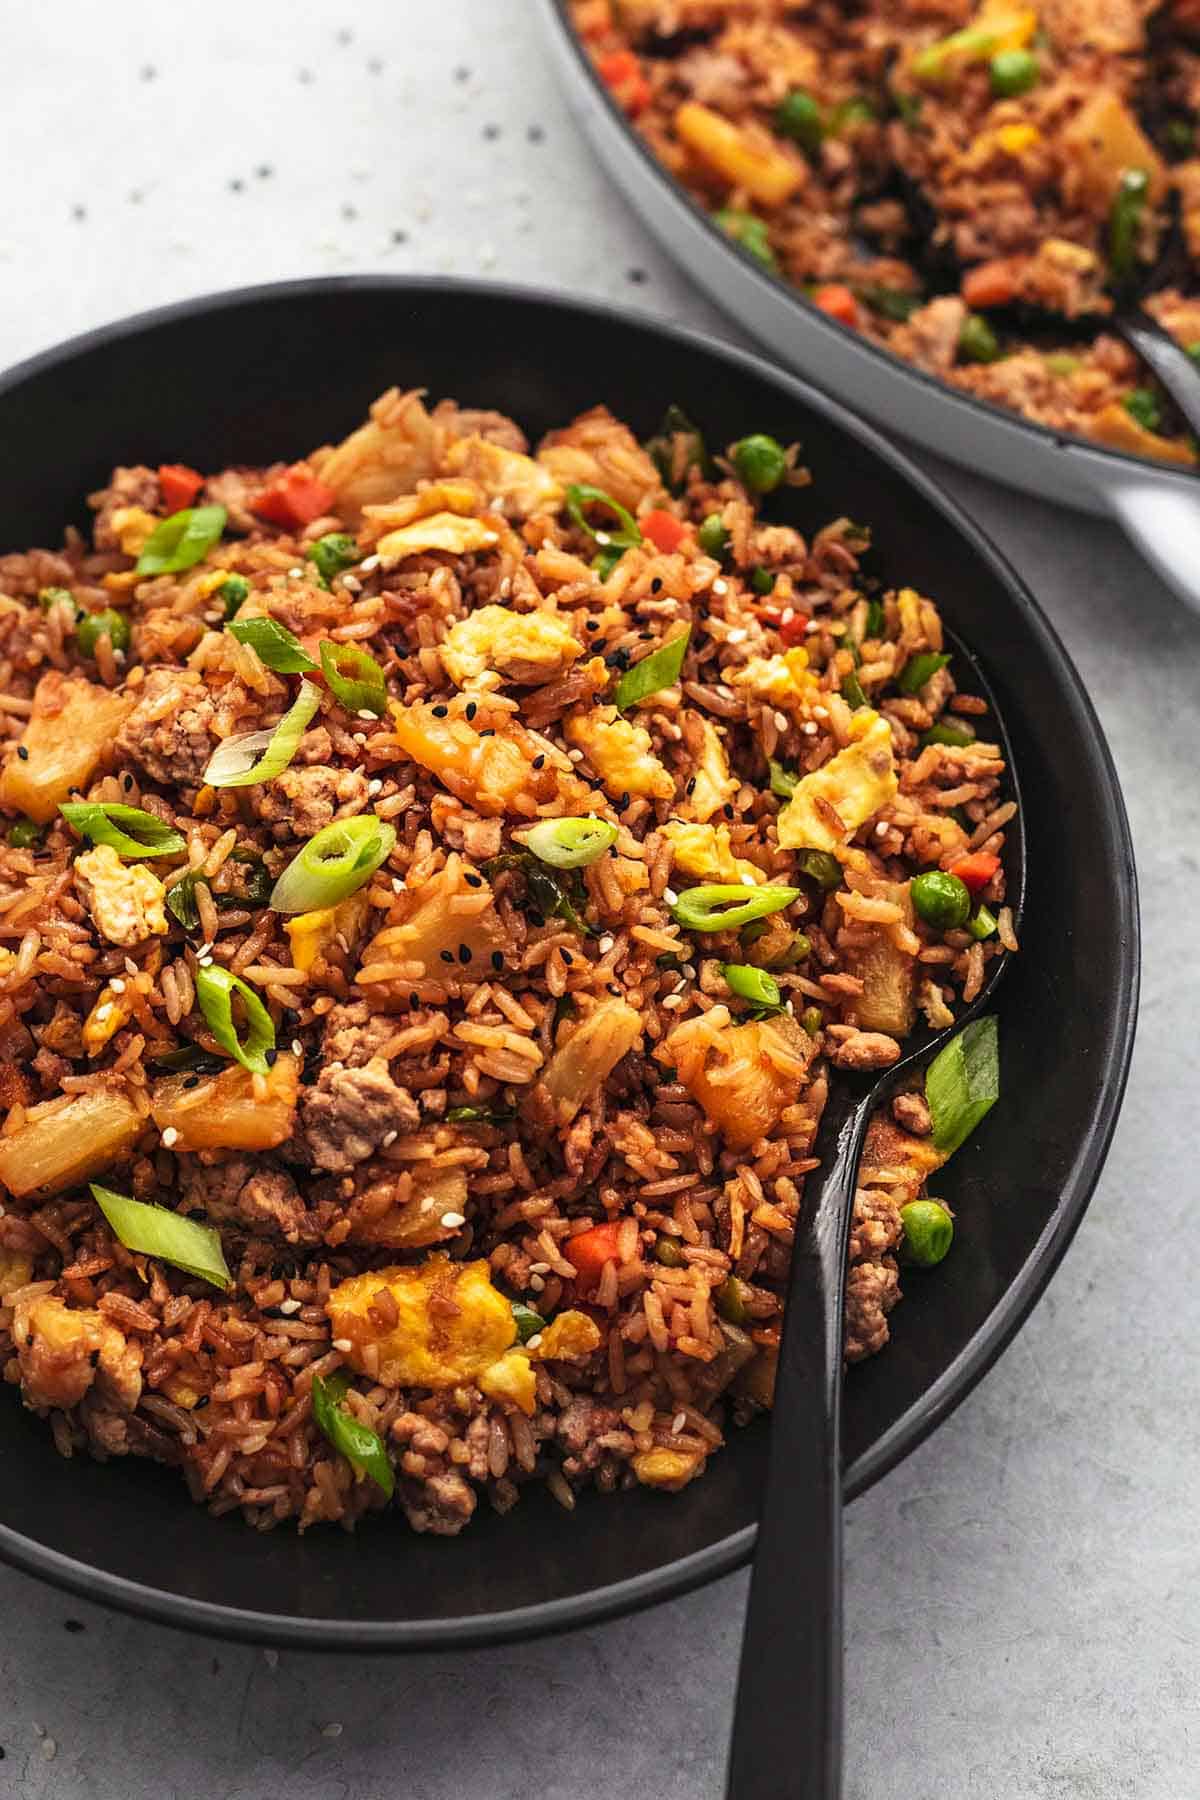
{"points": [[301, 802], [354, 1035], [233, 489], [50, 1068], [872, 1289], [137, 486], [931, 336], [169, 732], [581, 1422], [346, 1117], [241, 1192], [62, 1350], [853, 1049], [475, 421], [125, 900], [877, 1226], [316, 746], [911, 1111], [441, 1505]]}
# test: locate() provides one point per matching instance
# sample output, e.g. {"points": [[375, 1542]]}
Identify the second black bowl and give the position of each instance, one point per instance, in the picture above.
{"points": [[270, 373]]}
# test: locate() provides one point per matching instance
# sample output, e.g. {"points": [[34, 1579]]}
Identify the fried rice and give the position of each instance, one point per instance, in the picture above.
{"points": [[946, 176], [512, 1193]]}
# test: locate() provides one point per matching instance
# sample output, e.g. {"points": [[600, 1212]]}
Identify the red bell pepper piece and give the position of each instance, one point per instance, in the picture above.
{"points": [[178, 485], [664, 530], [976, 871], [621, 71], [793, 631], [591, 1250], [294, 498], [838, 302]]}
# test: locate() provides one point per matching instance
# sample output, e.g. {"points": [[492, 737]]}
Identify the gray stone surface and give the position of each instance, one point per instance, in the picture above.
{"points": [[1022, 1619]]}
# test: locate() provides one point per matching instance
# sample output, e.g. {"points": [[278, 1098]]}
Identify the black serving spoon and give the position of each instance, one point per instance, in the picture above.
{"points": [[787, 1728]]}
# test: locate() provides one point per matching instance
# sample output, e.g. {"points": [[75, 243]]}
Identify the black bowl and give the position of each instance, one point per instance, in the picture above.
{"points": [[252, 376]]}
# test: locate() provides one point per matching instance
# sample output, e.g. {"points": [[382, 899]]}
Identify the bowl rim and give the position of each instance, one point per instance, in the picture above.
{"points": [[986, 413], [982, 1349]]}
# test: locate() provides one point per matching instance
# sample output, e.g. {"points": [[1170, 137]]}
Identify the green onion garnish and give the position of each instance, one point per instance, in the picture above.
{"points": [[181, 900], [983, 925], [956, 735], [876, 619], [190, 1059], [480, 1115], [332, 554], [751, 232], [556, 896], [963, 1083], [354, 678], [606, 560], [156, 1231], [527, 1322], [333, 864], [716, 906], [54, 596], [275, 646], [363, 1448], [129, 830], [662, 448], [215, 989], [822, 867], [752, 984], [852, 692], [918, 670], [571, 843], [762, 580], [233, 595], [182, 540], [258, 756], [1125, 221], [25, 834], [580, 494], [657, 671], [783, 781]]}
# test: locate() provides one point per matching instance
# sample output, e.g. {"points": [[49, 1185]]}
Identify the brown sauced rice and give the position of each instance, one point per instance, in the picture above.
{"points": [[477, 1097]]}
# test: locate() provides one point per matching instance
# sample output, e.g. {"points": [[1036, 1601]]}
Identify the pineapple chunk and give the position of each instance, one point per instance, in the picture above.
{"points": [[443, 914], [742, 1075], [71, 726], [712, 784], [526, 648], [516, 484], [888, 1001], [620, 752], [133, 527], [511, 1379], [1099, 144], [452, 1324], [221, 1113], [126, 900], [62, 1350], [768, 174], [705, 850], [398, 446], [907, 1161], [490, 773], [570, 1337], [582, 1063], [669, 1469], [440, 531], [853, 785], [111, 1011], [64, 1141], [784, 680], [311, 934], [376, 1217], [599, 450]]}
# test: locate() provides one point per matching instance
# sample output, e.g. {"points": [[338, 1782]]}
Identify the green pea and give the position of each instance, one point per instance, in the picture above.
{"points": [[941, 899], [761, 462], [110, 624], [668, 1253], [822, 868], [751, 232], [762, 580], [712, 536], [50, 596], [977, 341], [731, 1301], [800, 118], [928, 1232], [813, 1020], [25, 834], [1141, 404], [333, 553], [233, 595], [1013, 72]]}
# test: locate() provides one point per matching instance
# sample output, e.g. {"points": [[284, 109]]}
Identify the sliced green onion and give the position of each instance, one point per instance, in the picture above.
{"points": [[855, 111], [801, 118], [182, 540], [527, 1322], [354, 678], [657, 671], [983, 925], [129, 830], [95, 625], [822, 867], [215, 989], [783, 781], [54, 596], [333, 553], [752, 984], [762, 580], [156, 1231], [661, 448], [25, 834], [258, 756], [580, 494], [963, 1083], [717, 906], [480, 1115], [890, 303], [191, 1059], [1141, 403], [958, 736], [333, 864], [918, 670], [181, 900], [1125, 221], [571, 843], [876, 619], [233, 595], [606, 560], [852, 692], [751, 232], [363, 1448], [274, 645], [551, 894]]}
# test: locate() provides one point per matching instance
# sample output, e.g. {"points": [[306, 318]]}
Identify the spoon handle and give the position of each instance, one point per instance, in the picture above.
{"points": [[787, 1728], [1168, 359]]}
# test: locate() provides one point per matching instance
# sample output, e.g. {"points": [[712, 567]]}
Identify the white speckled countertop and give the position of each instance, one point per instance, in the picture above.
{"points": [[1022, 1592]]}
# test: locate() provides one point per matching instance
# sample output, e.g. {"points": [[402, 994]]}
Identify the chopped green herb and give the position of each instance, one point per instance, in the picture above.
{"points": [[822, 867], [233, 595], [852, 692], [963, 1083], [783, 781], [363, 1448], [527, 1322], [182, 540], [627, 532], [920, 669], [655, 672], [1142, 404], [275, 646], [156, 1231], [129, 830], [958, 736]]}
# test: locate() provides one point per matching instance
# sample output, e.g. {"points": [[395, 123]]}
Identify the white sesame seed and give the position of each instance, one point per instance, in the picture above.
{"points": [[397, 885], [364, 712], [689, 969], [810, 728], [673, 1001], [214, 617], [534, 1342], [170, 1136], [505, 588], [117, 985], [720, 587], [388, 1139], [602, 537], [725, 692], [295, 574], [374, 787], [360, 738], [352, 584], [131, 967], [605, 944], [788, 613], [813, 625], [749, 881], [342, 1344], [204, 962], [297, 1047], [678, 1423], [332, 1730], [204, 950], [820, 712], [289, 1307], [539, 1268], [453, 1220], [536, 1283], [370, 562], [881, 830], [670, 896], [781, 721], [576, 756], [738, 635]]}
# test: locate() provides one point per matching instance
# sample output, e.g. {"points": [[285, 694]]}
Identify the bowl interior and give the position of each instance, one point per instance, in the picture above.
{"points": [[274, 372]]}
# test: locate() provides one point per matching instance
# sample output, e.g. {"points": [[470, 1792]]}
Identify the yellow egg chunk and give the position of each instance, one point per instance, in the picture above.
{"points": [[124, 899], [669, 1469], [712, 785], [784, 680], [511, 1379], [312, 933], [705, 851], [517, 483], [620, 752], [452, 1323], [836, 800], [446, 531], [526, 648], [570, 1337]]}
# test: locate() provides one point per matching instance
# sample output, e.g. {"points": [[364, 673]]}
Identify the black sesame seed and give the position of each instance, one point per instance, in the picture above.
{"points": [[489, 731], [440, 712], [591, 624], [471, 708], [656, 585], [272, 1057], [614, 989], [536, 918], [127, 783], [623, 802], [727, 809], [191, 1081], [446, 955], [22, 752], [464, 953], [690, 789], [289, 1017], [539, 761], [414, 999], [473, 880], [567, 957], [497, 960], [645, 636]]}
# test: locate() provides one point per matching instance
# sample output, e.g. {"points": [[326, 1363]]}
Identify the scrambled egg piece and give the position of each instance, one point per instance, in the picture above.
{"points": [[832, 803], [511, 1379], [519, 484], [712, 784], [784, 680], [745, 1075], [452, 1324], [312, 933], [705, 850], [619, 751], [571, 1337], [126, 902], [435, 497], [132, 526], [111, 1011], [439, 531], [523, 647], [669, 1469]]}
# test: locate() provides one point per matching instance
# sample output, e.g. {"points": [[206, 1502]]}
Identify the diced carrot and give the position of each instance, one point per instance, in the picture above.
{"points": [[977, 870], [664, 530], [621, 71], [591, 1250], [990, 284], [295, 498], [838, 302], [179, 485], [793, 630]]}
